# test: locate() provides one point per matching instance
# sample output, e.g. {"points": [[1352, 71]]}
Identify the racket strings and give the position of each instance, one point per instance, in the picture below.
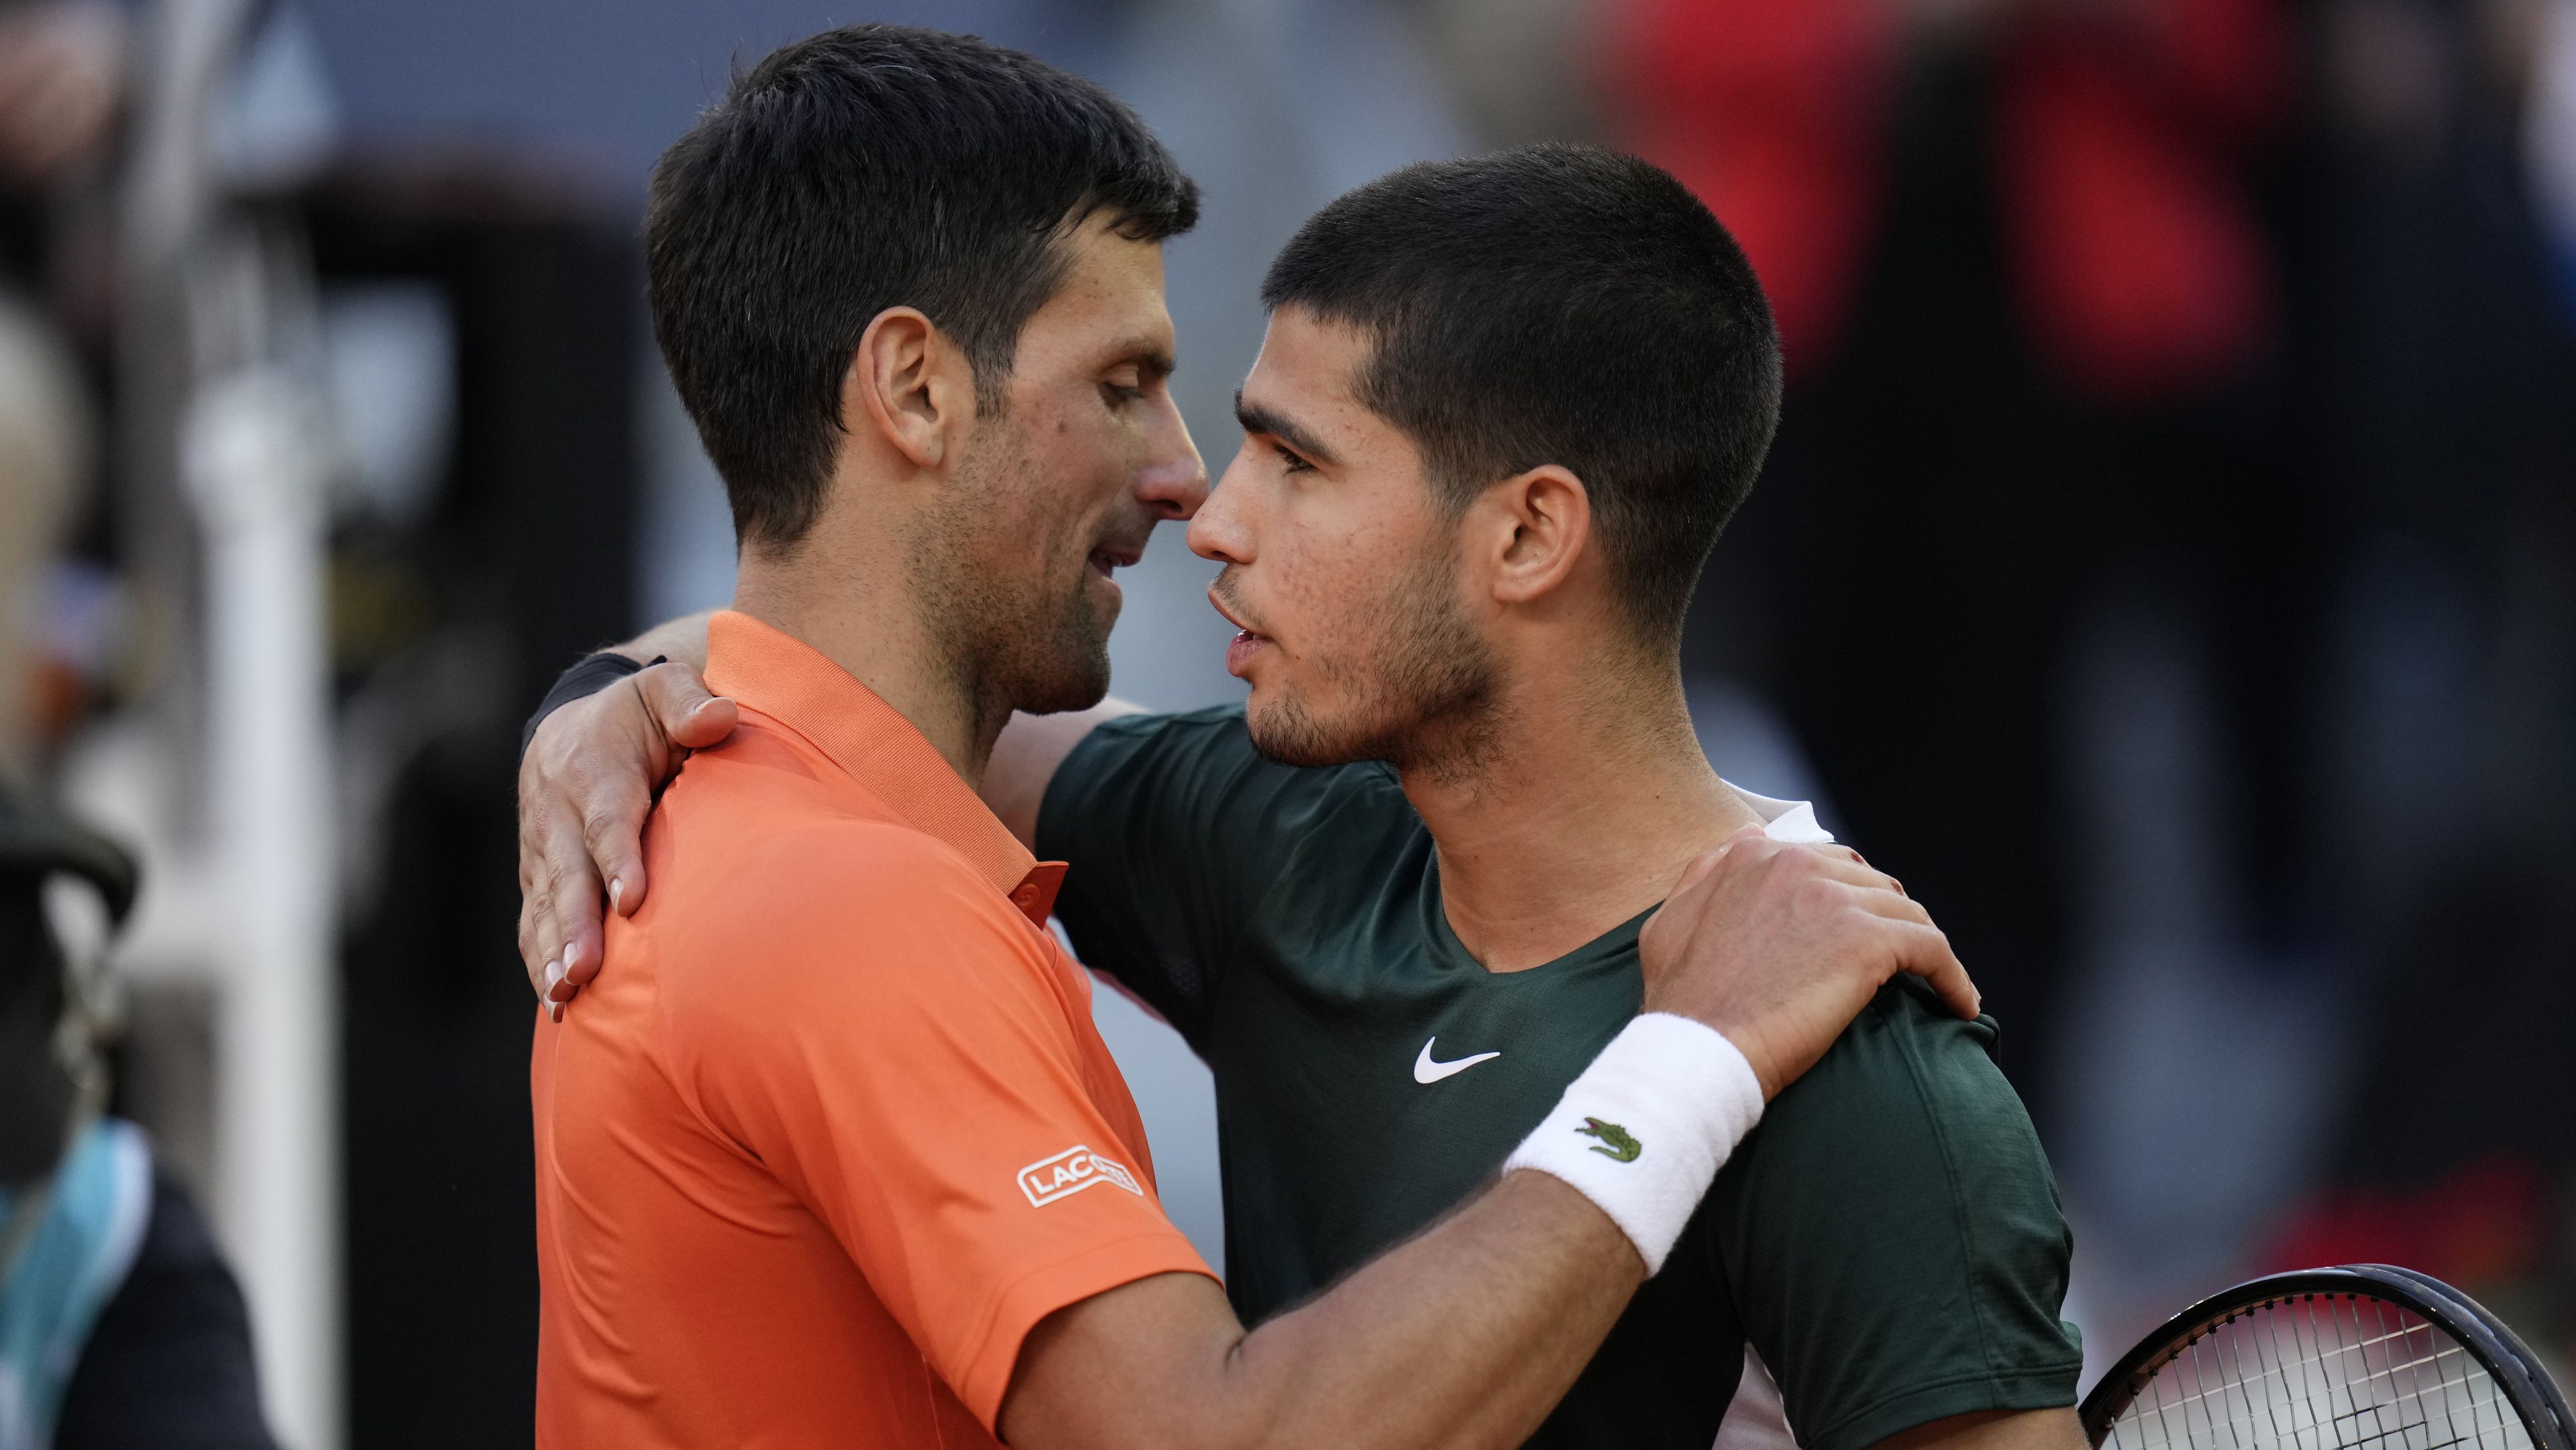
{"points": [[2319, 1372]]}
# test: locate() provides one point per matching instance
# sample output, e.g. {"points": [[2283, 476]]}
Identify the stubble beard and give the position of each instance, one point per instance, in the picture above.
{"points": [[1020, 638], [1423, 689]]}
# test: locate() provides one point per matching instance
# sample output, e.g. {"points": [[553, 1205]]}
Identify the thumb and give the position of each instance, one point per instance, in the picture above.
{"points": [[682, 709], [707, 723]]}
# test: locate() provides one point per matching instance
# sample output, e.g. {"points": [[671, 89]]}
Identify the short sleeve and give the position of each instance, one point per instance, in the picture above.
{"points": [[898, 1049], [1176, 829], [1893, 1237]]}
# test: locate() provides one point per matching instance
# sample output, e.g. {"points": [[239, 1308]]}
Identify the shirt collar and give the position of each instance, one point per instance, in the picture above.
{"points": [[766, 669]]}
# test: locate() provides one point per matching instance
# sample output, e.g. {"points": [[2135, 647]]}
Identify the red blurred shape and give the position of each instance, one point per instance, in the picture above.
{"points": [[2485, 1221]]}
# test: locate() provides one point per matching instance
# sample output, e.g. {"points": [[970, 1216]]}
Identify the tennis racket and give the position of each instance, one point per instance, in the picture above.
{"points": [[2365, 1357]]}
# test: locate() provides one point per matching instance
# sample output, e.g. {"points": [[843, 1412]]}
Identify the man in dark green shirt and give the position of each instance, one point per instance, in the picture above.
{"points": [[1502, 411], [1888, 1240]]}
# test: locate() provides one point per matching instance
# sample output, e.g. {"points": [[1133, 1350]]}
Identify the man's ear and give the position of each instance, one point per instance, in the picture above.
{"points": [[909, 384], [1548, 515]]}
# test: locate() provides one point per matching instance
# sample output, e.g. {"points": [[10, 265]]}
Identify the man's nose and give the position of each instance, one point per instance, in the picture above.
{"points": [[1175, 483], [1217, 531]]}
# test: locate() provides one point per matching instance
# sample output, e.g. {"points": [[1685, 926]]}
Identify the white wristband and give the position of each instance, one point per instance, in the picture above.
{"points": [[1644, 1130]]}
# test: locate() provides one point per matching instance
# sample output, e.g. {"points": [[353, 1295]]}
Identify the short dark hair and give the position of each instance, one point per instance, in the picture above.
{"points": [[1559, 304], [870, 167]]}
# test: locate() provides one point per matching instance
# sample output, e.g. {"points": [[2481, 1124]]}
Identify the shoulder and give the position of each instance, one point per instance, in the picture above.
{"points": [[1892, 1235], [817, 907], [1904, 1058], [1904, 1132]]}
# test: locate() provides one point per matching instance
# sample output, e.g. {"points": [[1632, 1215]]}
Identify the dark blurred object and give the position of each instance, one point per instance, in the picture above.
{"points": [[2169, 560], [2436, 378], [37, 843], [48, 1085], [120, 1324], [169, 1362], [2024, 285], [2456, 1149], [450, 615]]}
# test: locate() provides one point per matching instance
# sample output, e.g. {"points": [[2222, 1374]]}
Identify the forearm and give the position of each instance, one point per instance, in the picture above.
{"points": [[1467, 1336], [683, 640], [1463, 1337], [1025, 758]]}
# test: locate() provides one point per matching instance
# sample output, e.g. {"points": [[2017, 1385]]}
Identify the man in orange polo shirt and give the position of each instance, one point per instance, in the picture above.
{"points": [[835, 1155]]}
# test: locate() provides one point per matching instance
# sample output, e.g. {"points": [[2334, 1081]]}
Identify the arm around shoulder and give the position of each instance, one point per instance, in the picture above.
{"points": [[1461, 1339], [1025, 758]]}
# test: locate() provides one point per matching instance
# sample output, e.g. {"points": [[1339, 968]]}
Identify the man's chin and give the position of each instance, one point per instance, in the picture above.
{"points": [[1285, 734], [1073, 685]]}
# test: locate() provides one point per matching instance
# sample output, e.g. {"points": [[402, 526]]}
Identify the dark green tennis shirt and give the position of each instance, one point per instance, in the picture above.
{"points": [[1889, 1239]]}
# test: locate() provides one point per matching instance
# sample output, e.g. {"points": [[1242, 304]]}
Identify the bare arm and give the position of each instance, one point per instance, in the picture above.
{"points": [[1026, 756], [1465, 1336], [590, 774], [1993, 1430]]}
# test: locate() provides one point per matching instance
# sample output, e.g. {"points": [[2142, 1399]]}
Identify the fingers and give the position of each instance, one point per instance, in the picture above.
{"points": [[1884, 901], [538, 941], [1843, 864], [612, 828], [676, 697], [571, 920], [533, 954], [1925, 951]]}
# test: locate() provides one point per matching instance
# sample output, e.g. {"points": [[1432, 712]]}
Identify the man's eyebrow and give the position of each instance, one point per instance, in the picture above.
{"points": [[1258, 419], [1153, 356]]}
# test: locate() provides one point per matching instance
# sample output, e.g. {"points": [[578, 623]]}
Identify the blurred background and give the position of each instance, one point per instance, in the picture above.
{"points": [[2167, 565]]}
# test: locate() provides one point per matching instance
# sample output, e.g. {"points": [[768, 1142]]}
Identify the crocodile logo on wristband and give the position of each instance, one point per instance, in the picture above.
{"points": [[1616, 1143]]}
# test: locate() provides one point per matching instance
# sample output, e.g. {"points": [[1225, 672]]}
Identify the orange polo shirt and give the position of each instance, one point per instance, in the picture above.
{"points": [[832, 1130]]}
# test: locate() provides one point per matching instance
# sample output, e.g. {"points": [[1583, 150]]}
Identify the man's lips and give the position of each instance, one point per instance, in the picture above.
{"points": [[1107, 558], [1247, 643], [1242, 650]]}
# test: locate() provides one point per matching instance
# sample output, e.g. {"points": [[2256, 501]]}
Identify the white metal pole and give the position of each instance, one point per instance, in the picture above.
{"points": [[253, 460]]}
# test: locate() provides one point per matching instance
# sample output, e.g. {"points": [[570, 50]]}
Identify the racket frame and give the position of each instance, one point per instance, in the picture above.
{"points": [[2520, 1373]]}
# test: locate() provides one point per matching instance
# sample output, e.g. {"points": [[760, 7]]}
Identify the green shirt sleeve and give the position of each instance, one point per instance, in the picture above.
{"points": [[1175, 829], [1893, 1237]]}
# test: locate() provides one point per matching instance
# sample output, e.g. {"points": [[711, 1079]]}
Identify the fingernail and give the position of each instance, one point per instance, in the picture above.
{"points": [[617, 893], [554, 1011], [554, 974]]}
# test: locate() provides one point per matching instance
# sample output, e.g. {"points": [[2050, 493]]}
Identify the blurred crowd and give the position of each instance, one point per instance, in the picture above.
{"points": [[2167, 565]]}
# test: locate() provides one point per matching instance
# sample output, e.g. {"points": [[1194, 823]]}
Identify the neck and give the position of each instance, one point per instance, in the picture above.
{"points": [[1579, 814], [863, 612]]}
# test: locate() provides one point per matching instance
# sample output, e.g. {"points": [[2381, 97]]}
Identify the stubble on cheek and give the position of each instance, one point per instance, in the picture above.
{"points": [[1404, 679]]}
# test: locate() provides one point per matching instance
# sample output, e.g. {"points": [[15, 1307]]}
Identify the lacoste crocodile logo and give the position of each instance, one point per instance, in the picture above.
{"points": [[1615, 1142]]}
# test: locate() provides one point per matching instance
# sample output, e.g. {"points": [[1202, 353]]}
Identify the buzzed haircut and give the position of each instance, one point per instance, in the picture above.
{"points": [[1559, 304], [870, 167]]}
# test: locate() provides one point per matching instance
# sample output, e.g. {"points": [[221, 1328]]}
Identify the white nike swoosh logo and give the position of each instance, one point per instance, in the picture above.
{"points": [[1427, 1071]]}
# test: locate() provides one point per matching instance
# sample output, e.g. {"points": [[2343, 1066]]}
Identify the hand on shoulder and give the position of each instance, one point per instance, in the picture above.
{"points": [[1779, 946]]}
